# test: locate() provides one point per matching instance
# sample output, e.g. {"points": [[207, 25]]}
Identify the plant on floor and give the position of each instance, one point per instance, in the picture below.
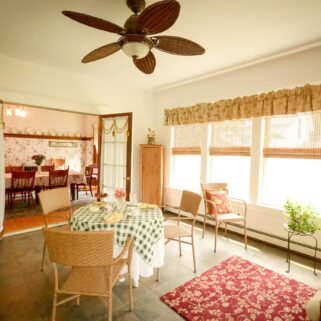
{"points": [[302, 218], [38, 158]]}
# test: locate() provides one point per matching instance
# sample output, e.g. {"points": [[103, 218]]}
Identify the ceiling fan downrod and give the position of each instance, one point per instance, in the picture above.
{"points": [[136, 5]]}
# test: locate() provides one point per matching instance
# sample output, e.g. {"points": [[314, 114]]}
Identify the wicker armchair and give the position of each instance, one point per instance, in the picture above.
{"points": [[52, 201], [212, 212], [94, 270], [175, 232], [313, 307]]}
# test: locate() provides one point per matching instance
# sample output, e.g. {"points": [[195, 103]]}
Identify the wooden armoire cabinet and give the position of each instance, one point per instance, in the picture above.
{"points": [[151, 174]]}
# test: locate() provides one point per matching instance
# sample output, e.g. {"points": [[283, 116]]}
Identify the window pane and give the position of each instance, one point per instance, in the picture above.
{"points": [[233, 170], [229, 140], [186, 172], [295, 179]]}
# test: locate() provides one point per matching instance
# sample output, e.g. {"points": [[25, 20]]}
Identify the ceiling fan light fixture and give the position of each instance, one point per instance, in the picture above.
{"points": [[136, 37], [136, 49]]}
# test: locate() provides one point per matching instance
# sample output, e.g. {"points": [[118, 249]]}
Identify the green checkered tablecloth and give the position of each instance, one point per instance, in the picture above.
{"points": [[146, 228]]}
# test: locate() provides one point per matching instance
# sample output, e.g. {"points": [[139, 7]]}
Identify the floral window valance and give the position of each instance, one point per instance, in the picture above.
{"points": [[282, 102]]}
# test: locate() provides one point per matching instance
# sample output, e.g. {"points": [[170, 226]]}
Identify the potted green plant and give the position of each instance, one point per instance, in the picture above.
{"points": [[302, 218]]}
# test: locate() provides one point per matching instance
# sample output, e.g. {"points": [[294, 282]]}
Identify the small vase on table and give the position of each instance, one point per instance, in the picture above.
{"points": [[120, 196], [120, 204]]}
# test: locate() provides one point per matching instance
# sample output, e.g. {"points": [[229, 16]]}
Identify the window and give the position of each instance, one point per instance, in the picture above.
{"points": [[186, 157], [292, 159], [230, 155]]}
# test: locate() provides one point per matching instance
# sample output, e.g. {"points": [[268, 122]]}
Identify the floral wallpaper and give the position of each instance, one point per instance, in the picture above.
{"points": [[19, 151]]}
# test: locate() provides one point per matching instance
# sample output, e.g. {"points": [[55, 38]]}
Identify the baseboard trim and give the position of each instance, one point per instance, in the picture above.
{"points": [[200, 218]]}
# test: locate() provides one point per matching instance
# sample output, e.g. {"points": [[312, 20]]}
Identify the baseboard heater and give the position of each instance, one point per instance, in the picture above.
{"points": [[200, 218]]}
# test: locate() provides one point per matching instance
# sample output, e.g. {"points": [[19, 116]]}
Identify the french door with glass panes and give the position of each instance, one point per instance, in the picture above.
{"points": [[115, 149]]}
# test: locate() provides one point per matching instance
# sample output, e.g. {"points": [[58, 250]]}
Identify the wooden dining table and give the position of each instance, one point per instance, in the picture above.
{"points": [[42, 179]]}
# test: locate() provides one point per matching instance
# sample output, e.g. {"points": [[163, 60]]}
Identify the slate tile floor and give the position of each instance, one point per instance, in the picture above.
{"points": [[26, 292]]}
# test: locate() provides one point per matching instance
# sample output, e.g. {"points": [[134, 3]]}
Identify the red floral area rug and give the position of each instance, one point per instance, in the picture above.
{"points": [[238, 290]]}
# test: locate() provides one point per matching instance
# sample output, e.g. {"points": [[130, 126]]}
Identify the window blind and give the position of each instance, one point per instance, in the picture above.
{"points": [[187, 139], [231, 138], [293, 136]]}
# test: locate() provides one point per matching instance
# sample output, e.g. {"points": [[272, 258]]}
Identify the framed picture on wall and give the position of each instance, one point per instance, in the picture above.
{"points": [[62, 144]]}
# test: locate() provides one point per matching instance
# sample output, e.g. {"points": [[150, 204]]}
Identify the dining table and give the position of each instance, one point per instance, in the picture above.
{"points": [[42, 179], [142, 222]]}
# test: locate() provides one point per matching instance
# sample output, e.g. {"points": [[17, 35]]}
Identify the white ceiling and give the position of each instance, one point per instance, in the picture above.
{"points": [[232, 32]]}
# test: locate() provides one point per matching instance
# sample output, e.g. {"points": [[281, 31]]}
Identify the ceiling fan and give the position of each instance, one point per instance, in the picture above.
{"points": [[135, 38]]}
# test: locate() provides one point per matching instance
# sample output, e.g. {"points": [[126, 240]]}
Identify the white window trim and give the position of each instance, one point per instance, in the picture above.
{"points": [[256, 161]]}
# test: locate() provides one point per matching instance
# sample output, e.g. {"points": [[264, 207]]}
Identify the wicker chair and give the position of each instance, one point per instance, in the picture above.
{"points": [[22, 183], [52, 201], [313, 307], [58, 178], [94, 270], [219, 218], [189, 204]]}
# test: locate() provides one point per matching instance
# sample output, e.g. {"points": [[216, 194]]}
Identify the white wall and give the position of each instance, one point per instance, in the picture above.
{"points": [[285, 72]]}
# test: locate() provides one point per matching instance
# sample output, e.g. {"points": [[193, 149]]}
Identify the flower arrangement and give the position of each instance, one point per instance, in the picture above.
{"points": [[38, 158], [119, 194], [302, 218], [151, 136]]}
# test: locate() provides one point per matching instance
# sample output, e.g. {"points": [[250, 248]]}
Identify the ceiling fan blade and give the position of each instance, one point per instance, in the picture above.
{"points": [[178, 46], [94, 22], [146, 64], [158, 17], [101, 52]]}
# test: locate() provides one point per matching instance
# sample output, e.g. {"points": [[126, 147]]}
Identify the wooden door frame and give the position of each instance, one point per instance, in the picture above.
{"points": [[128, 151]]}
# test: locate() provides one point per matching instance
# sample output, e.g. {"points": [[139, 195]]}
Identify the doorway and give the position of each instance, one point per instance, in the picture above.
{"points": [[115, 153]]}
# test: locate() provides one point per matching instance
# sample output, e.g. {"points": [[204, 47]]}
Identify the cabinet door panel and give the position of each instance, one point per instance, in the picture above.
{"points": [[151, 174]]}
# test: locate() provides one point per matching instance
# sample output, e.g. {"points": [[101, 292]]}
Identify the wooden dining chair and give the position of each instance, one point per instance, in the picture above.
{"points": [[47, 168], [55, 204], [94, 270], [219, 208], [10, 169], [187, 211], [30, 168], [58, 178], [89, 178], [59, 163], [94, 181], [23, 184]]}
